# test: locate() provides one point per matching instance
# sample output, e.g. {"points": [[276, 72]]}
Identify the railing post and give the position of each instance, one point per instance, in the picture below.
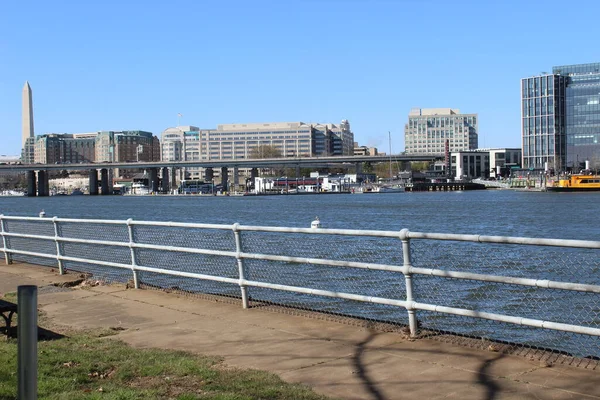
{"points": [[27, 338], [240, 262], [412, 316], [61, 269], [5, 247], [136, 281]]}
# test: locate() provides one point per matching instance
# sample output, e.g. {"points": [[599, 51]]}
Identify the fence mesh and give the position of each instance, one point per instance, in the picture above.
{"points": [[533, 262]]}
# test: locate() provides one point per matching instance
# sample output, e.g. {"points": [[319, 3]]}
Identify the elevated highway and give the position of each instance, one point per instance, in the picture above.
{"points": [[37, 174], [239, 163]]}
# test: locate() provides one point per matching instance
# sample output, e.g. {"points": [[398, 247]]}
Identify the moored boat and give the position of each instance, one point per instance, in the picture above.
{"points": [[576, 183]]}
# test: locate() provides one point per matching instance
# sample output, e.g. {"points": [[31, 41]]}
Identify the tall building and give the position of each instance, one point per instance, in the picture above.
{"points": [[182, 143], [561, 118], [126, 146], [28, 140], [65, 148], [104, 146], [428, 129], [543, 121]]}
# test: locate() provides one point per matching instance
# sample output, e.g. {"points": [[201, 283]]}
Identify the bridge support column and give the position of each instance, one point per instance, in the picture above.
{"points": [[165, 180], [173, 176], [93, 182], [104, 182], [298, 171], [359, 166], [225, 179], [153, 180], [254, 173], [236, 178], [42, 183], [209, 174], [31, 186]]}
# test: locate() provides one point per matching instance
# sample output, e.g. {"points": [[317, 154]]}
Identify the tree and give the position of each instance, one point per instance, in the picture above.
{"points": [[419, 166], [265, 151]]}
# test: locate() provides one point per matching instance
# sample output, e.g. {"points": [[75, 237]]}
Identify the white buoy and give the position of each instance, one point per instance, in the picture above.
{"points": [[42, 214], [316, 223]]}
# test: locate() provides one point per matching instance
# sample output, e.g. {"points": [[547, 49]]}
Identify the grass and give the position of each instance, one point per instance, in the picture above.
{"points": [[91, 366]]}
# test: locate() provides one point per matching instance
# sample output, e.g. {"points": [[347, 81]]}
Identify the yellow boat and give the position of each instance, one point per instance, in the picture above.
{"points": [[576, 183]]}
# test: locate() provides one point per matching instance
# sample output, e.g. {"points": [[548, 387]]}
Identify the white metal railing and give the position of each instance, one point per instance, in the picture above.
{"points": [[407, 269]]}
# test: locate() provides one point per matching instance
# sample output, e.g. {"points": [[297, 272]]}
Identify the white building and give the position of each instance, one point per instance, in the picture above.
{"points": [[243, 141], [428, 129]]}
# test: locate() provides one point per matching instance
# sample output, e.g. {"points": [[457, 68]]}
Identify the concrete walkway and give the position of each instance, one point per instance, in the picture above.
{"points": [[334, 359]]}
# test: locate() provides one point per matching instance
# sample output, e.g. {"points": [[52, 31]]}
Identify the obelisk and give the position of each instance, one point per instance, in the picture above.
{"points": [[27, 121]]}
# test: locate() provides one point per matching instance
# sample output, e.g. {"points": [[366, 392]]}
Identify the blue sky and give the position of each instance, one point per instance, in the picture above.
{"points": [[132, 64]]}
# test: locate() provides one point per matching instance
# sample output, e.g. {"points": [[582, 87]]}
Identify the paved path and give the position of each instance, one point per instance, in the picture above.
{"points": [[338, 360]]}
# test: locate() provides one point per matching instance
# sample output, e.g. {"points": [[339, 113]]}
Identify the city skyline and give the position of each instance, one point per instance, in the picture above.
{"points": [[370, 63]]}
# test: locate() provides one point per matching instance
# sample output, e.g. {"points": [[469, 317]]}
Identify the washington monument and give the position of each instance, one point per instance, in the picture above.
{"points": [[27, 121]]}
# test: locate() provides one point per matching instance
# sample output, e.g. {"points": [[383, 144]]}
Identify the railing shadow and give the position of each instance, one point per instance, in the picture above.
{"points": [[357, 361]]}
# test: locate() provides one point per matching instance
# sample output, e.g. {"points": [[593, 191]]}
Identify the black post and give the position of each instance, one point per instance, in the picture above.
{"points": [[27, 335]]}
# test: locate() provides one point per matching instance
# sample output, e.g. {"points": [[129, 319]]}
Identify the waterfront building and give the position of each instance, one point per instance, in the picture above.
{"points": [[182, 143], [27, 134], [502, 160], [126, 146], [483, 163], [248, 140], [428, 129], [469, 164], [65, 148], [543, 121], [560, 113], [364, 150]]}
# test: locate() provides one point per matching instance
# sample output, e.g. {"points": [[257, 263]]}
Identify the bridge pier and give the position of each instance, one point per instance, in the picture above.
{"points": [[31, 186], [165, 180], [209, 174], [173, 177], [297, 170], [225, 179], [359, 166], [104, 182], [236, 178], [42, 183], [93, 182], [153, 184]]}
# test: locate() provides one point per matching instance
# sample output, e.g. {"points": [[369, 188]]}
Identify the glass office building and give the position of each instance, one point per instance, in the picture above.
{"points": [[561, 118], [543, 121], [583, 113]]}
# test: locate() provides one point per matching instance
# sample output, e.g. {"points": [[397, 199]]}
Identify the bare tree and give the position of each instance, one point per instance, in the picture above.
{"points": [[265, 151]]}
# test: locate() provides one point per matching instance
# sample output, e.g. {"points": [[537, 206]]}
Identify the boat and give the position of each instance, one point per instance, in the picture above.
{"points": [[390, 186], [391, 189], [12, 193], [139, 189], [575, 183]]}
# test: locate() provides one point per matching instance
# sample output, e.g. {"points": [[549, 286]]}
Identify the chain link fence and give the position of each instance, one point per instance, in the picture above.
{"points": [[349, 275]]}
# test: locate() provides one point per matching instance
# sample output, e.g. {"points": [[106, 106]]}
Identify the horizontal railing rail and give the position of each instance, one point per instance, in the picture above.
{"points": [[136, 262]]}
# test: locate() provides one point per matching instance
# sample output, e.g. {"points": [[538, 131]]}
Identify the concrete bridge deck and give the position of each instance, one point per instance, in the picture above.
{"points": [[334, 359]]}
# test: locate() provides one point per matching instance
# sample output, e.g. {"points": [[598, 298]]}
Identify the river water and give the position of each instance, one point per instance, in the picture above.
{"points": [[490, 212]]}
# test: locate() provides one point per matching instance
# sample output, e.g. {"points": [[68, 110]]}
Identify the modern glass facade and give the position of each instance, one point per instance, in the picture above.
{"points": [[561, 118], [583, 113], [543, 121]]}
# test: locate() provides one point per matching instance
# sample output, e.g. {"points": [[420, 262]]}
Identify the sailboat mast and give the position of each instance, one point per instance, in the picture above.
{"points": [[390, 140]]}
